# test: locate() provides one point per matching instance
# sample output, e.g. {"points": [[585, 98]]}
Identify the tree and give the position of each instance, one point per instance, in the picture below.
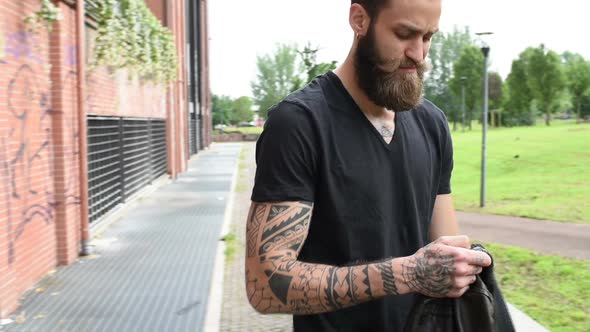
{"points": [[242, 110], [578, 73], [546, 79], [445, 50], [275, 78], [585, 106], [495, 92], [517, 104], [311, 69], [470, 66], [221, 109], [284, 73]]}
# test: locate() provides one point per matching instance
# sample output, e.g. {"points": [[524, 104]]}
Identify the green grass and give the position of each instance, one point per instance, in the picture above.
{"points": [[242, 184], [554, 291], [538, 172], [245, 130], [231, 245], [242, 130]]}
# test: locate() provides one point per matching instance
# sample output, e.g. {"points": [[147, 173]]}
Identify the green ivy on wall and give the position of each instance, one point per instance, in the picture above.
{"points": [[47, 15], [131, 37]]}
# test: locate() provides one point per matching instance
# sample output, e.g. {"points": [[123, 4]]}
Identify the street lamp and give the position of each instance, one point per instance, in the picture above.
{"points": [[463, 79], [485, 49]]}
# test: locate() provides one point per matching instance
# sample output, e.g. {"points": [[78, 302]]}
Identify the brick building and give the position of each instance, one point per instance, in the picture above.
{"points": [[75, 148]]}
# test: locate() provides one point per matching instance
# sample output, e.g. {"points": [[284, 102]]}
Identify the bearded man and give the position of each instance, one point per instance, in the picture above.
{"points": [[351, 212]]}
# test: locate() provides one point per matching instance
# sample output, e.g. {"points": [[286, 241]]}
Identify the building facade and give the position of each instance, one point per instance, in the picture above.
{"points": [[78, 144]]}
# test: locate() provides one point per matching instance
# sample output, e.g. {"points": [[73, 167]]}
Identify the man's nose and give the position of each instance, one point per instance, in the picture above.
{"points": [[415, 51]]}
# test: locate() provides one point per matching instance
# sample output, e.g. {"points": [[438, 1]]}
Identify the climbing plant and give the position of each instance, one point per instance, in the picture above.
{"points": [[46, 16], [131, 37]]}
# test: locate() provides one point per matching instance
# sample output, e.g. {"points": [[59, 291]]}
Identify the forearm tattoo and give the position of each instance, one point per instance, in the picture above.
{"points": [[278, 282]]}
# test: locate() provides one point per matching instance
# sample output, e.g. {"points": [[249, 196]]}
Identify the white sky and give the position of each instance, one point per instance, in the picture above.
{"points": [[242, 29]]}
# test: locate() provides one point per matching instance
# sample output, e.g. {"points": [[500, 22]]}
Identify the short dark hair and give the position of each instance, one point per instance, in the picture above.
{"points": [[373, 7]]}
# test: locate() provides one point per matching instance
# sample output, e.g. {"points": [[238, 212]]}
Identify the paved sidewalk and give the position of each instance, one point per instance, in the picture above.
{"points": [[152, 269], [237, 314], [546, 237]]}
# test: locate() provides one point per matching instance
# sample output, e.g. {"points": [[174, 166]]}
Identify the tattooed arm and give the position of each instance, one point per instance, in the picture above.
{"points": [[277, 282]]}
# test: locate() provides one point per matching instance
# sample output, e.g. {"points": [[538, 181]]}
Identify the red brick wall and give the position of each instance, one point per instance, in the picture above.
{"points": [[120, 94], [39, 154], [66, 175], [158, 8], [39, 178], [32, 191], [206, 90]]}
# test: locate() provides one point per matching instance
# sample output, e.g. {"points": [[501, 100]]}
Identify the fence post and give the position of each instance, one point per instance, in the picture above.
{"points": [[122, 160]]}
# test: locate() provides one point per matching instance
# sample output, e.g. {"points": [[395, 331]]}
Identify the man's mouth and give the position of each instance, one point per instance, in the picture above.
{"points": [[409, 69]]}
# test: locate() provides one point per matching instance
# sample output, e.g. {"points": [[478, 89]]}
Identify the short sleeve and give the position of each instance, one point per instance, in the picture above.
{"points": [[286, 156], [444, 184]]}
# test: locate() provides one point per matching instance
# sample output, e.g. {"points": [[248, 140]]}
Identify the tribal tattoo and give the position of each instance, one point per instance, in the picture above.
{"points": [[278, 282]]}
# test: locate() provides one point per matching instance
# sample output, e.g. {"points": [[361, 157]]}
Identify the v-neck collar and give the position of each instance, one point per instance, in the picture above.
{"points": [[396, 134], [398, 120]]}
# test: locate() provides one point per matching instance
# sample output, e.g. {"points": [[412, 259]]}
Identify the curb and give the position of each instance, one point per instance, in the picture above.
{"points": [[215, 299], [522, 322]]}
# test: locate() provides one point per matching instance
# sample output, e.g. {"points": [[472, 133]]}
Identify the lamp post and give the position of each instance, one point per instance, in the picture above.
{"points": [[485, 49], [463, 78]]}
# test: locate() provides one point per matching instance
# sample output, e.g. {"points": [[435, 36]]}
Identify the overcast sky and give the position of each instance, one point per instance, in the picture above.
{"points": [[242, 29]]}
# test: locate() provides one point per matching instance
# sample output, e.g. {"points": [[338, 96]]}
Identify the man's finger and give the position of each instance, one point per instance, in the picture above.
{"points": [[479, 258], [461, 241], [476, 269]]}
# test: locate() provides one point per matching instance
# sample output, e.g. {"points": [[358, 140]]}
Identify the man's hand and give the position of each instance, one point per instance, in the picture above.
{"points": [[444, 268]]}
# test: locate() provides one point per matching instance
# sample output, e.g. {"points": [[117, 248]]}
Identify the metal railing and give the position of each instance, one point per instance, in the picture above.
{"points": [[193, 136], [124, 156]]}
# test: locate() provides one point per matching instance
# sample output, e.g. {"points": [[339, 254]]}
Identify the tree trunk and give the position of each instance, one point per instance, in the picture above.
{"points": [[548, 118], [493, 119], [579, 111]]}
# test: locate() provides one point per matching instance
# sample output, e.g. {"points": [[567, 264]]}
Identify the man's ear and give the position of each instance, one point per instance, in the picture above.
{"points": [[359, 20]]}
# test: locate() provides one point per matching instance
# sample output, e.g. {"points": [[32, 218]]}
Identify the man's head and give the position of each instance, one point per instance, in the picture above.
{"points": [[392, 41]]}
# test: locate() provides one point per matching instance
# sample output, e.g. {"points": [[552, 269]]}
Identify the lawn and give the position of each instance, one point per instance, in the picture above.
{"points": [[248, 130], [538, 172], [241, 130], [554, 291]]}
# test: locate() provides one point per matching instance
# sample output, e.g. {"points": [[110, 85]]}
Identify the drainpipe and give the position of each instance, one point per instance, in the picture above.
{"points": [[171, 101], [82, 130]]}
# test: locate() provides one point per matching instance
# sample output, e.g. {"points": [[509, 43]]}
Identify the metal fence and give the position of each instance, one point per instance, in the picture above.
{"points": [[194, 136], [124, 156]]}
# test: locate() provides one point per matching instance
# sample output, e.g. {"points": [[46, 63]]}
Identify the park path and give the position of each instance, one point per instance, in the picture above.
{"points": [[543, 236]]}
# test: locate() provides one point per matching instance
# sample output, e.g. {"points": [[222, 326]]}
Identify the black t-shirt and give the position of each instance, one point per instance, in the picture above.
{"points": [[372, 200]]}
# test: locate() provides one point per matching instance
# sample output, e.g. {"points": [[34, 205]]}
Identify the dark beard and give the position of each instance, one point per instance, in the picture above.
{"points": [[382, 82]]}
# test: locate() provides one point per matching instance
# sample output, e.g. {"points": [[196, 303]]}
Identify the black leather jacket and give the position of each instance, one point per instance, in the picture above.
{"points": [[482, 308]]}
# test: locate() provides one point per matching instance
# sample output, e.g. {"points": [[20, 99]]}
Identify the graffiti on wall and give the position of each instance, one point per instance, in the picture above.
{"points": [[21, 45], [70, 143], [27, 146], [25, 152]]}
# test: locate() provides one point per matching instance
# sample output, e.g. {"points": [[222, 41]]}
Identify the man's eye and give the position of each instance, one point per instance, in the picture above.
{"points": [[403, 35]]}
